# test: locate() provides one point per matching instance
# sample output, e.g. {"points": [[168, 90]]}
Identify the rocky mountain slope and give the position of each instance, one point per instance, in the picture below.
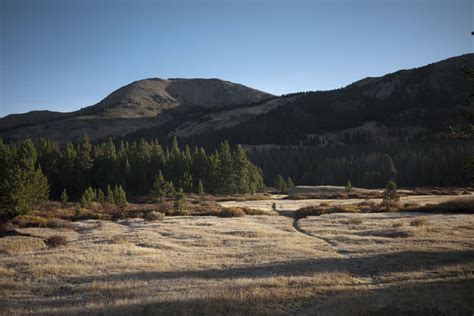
{"points": [[420, 102], [416, 103]]}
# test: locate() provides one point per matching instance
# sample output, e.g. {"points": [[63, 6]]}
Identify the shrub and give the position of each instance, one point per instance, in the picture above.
{"points": [[366, 206], [29, 221], [231, 212], [312, 210], [344, 208], [252, 211], [154, 216], [56, 241], [463, 206], [389, 206], [420, 221], [60, 223]]}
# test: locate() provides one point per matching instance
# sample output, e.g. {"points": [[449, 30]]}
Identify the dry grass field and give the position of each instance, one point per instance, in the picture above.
{"points": [[390, 263]]}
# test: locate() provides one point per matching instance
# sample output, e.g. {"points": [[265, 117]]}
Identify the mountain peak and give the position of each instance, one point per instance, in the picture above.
{"points": [[148, 97]]}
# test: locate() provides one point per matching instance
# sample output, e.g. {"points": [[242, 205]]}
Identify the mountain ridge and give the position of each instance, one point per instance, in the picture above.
{"points": [[192, 108]]}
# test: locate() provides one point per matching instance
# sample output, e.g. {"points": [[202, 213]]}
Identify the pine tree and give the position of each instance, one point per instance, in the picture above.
{"points": [[279, 183], [200, 166], [68, 170], [289, 183], [179, 201], [241, 171], [390, 193], [89, 196], [84, 163], [120, 197], [23, 184], [225, 179], [160, 188], [200, 188], [64, 197], [348, 186], [110, 199], [100, 196], [256, 179], [389, 171]]}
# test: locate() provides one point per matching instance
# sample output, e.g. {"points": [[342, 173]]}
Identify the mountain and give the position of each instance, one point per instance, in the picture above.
{"points": [[137, 105], [408, 104]]}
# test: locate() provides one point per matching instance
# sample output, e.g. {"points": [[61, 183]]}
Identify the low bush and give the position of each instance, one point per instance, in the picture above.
{"points": [[344, 208], [56, 241], [29, 221], [463, 206], [253, 211], [312, 210], [389, 206], [154, 216], [231, 212]]}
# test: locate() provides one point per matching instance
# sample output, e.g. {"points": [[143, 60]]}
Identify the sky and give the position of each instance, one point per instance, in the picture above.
{"points": [[62, 55]]}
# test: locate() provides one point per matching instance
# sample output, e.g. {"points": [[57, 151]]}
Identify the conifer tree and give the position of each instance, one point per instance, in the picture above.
{"points": [[23, 184], [120, 197], [389, 171], [348, 186], [390, 193], [289, 183], [110, 199], [84, 163], [241, 170], [160, 189], [200, 188], [179, 201], [89, 196], [64, 197], [100, 196], [225, 179], [280, 183]]}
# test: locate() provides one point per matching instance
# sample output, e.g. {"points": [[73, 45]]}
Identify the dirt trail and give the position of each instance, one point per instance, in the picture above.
{"points": [[298, 229], [287, 205]]}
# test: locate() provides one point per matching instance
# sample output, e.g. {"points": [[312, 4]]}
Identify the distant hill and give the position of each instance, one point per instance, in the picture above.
{"points": [[407, 104], [134, 106]]}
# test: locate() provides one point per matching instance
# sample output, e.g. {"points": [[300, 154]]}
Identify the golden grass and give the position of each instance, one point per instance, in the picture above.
{"points": [[336, 263]]}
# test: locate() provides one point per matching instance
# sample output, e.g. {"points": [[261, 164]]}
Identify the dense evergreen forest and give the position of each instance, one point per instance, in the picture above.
{"points": [[418, 164], [138, 167]]}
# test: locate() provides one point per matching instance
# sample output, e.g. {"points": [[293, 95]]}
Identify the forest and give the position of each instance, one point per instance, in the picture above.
{"points": [[32, 172], [417, 164]]}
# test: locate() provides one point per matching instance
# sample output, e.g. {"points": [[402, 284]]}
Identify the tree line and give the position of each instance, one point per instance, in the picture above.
{"points": [[418, 165], [31, 172]]}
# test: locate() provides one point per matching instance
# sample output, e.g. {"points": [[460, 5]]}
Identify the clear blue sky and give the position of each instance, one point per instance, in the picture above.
{"points": [[63, 55]]}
